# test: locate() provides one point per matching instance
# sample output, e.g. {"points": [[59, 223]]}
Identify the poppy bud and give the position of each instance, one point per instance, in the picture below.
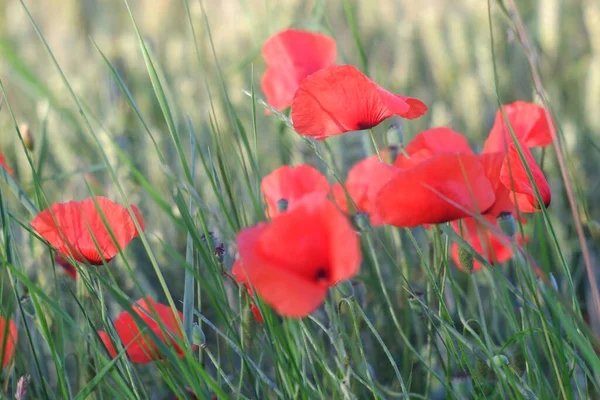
{"points": [[466, 259], [500, 360], [462, 384], [361, 221], [282, 205], [27, 136], [198, 337], [507, 223]]}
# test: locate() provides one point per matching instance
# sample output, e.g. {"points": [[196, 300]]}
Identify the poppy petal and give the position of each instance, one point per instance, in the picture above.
{"points": [[514, 172], [71, 234], [108, 343], [428, 192], [8, 340], [341, 99], [292, 55], [291, 184], [431, 142], [66, 266], [492, 164], [292, 261], [528, 122], [4, 164]]}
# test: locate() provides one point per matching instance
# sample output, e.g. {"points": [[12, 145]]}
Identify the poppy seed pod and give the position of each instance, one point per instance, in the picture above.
{"points": [[282, 205], [507, 223], [466, 259]]}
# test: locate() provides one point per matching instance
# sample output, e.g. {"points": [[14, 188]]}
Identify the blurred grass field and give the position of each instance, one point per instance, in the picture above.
{"points": [[436, 50]]}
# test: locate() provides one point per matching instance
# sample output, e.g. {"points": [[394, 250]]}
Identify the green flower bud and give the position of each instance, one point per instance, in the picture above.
{"points": [[466, 259], [198, 337]]}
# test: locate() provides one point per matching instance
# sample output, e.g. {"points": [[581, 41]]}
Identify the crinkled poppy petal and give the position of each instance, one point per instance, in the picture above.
{"points": [[147, 308], [292, 55], [529, 123], [4, 164], [442, 188], [431, 142], [291, 184], [70, 234], [493, 246], [8, 340], [140, 347], [492, 163], [340, 99], [292, 261], [513, 172]]}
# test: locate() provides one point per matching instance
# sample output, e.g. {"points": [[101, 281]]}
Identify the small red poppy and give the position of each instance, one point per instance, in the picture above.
{"points": [[141, 348], [493, 245], [439, 189], [528, 122], [66, 266], [3, 163], [292, 55], [292, 261], [69, 227], [364, 180], [8, 340], [431, 142], [291, 184], [240, 276], [340, 99], [513, 172]]}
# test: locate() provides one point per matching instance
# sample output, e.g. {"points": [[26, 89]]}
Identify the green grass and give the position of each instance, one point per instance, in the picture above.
{"points": [[158, 104]]}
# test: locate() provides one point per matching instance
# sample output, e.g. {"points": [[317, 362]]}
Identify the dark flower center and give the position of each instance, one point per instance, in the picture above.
{"points": [[321, 275]]}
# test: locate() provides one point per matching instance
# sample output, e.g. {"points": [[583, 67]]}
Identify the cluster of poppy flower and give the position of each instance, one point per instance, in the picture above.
{"points": [[309, 244]]}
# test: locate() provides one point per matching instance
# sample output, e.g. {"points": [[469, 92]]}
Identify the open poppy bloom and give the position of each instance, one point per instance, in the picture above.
{"points": [[140, 346], [292, 55], [431, 142], [364, 180], [528, 122], [77, 229], [66, 266], [3, 163], [492, 245], [8, 340], [292, 261], [291, 184], [341, 99], [439, 189], [240, 276], [513, 172]]}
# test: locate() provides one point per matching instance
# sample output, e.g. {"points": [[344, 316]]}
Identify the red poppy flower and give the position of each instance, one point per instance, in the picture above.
{"points": [[240, 276], [292, 261], [8, 340], [141, 348], [3, 163], [441, 188], [291, 184], [431, 142], [529, 123], [69, 227], [67, 267], [492, 164], [340, 99], [513, 172], [364, 181], [292, 55], [490, 244]]}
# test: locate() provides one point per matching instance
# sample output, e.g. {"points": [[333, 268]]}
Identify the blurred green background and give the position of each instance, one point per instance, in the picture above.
{"points": [[436, 50]]}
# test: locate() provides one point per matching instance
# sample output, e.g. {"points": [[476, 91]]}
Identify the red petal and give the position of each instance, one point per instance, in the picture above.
{"points": [[340, 99], [257, 315], [292, 55], [492, 163], [67, 267], [529, 123], [108, 343], [3, 163], [293, 261], [493, 246], [291, 184], [75, 221], [431, 142], [425, 193], [8, 342], [525, 192]]}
